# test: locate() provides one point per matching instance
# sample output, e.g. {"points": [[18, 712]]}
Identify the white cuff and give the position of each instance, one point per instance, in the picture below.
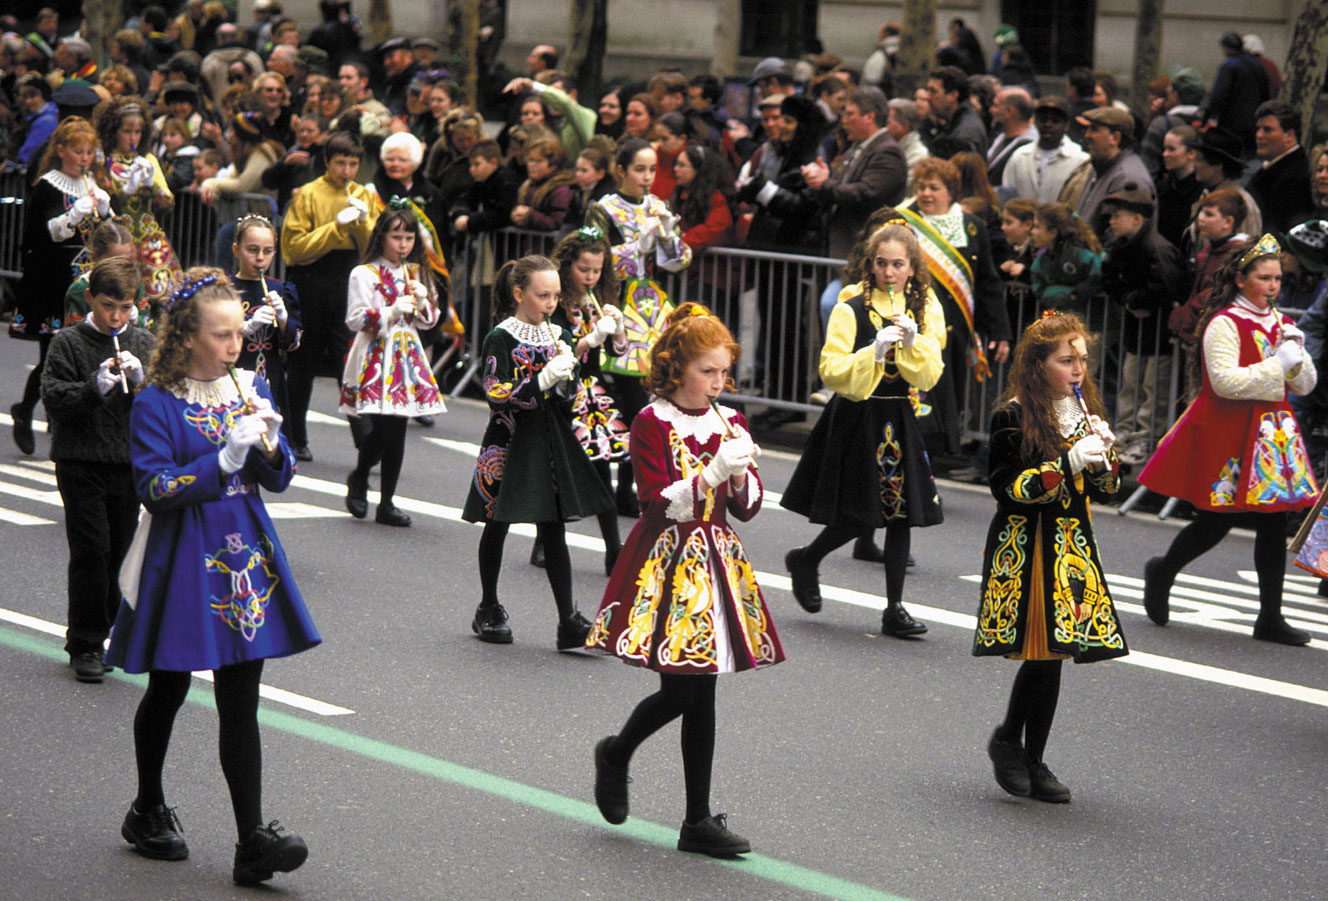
{"points": [[767, 193]]}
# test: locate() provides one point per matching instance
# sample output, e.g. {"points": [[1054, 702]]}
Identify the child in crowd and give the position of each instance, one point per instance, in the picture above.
{"points": [[1067, 273], [207, 165], [323, 237], [530, 467], [110, 238], [593, 182], [92, 373], [865, 465], [204, 440], [177, 156], [1044, 591], [487, 205], [1017, 269], [683, 599], [1216, 226], [587, 311], [641, 231], [61, 211], [387, 378], [271, 307], [303, 162], [544, 197]]}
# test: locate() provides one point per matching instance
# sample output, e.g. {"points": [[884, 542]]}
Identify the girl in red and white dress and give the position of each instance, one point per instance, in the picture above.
{"points": [[1237, 453], [387, 379], [683, 599]]}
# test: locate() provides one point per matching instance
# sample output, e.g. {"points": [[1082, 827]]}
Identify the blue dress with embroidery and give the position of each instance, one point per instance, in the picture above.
{"points": [[215, 587]]}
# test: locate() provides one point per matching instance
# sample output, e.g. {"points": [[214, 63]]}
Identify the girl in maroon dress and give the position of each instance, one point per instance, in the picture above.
{"points": [[1237, 453], [683, 598]]}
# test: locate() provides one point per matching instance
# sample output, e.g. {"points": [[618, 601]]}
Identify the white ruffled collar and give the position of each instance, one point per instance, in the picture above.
{"points": [[702, 426], [1068, 414], [219, 392], [536, 335], [75, 187], [1244, 305]]}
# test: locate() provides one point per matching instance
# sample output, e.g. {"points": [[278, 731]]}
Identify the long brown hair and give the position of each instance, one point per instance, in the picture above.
{"points": [[201, 285], [1221, 296], [1041, 439], [919, 283], [588, 239]]}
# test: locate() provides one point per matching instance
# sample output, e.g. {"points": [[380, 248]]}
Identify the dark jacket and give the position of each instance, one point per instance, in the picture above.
{"points": [[1282, 191], [1145, 275], [488, 203], [963, 132], [876, 177]]}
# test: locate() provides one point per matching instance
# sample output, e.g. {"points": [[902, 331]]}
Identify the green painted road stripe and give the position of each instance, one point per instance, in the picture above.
{"points": [[770, 868]]}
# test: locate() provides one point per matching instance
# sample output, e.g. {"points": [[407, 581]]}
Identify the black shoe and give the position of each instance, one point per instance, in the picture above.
{"points": [[868, 550], [23, 436], [896, 623], [490, 624], [357, 496], [537, 554], [1044, 786], [426, 421], [1323, 588], [1155, 593], [155, 833], [88, 666], [627, 504], [1010, 764], [266, 851], [806, 584], [1274, 629], [712, 836], [610, 785], [610, 558], [910, 563], [303, 454], [572, 632], [389, 515]]}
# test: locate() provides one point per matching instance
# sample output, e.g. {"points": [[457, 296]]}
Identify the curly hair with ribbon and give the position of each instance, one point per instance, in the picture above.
{"points": [[589, 239], [183, 320], [690, 331]]}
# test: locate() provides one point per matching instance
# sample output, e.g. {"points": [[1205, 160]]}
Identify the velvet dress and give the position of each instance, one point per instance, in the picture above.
{"points": [[596, 420]]}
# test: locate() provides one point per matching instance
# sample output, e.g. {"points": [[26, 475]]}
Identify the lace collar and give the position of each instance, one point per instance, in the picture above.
{"points": [[950, 224], [218, 392], [701, 425], [75, 187], [535, 335], [1068, 413]]}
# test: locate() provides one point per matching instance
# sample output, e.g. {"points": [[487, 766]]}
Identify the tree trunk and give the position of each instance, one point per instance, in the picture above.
{"points": [[724, 60], [1147, 50], [103, 18], [917, 46], [469, 50], [1303, 76], [380, 21], [587, 39]]}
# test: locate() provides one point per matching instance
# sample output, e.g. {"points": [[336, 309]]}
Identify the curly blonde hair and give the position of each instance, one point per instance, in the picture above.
{"points": [[690, 331], [170, 362]]}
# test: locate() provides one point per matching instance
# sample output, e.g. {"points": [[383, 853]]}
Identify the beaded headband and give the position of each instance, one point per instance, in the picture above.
{"points": [[1267, 247], [188, 288], [253, 217]]}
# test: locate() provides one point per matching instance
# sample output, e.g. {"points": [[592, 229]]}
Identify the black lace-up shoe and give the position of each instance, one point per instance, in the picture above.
{"points": [[23, 436], [155, 833], [896, 623], [1044, 786], [357, 496], [266, 851], [490, 624], [572, 632], [711, 836], [806, 583], [390, 515], [1156, 590], [88, 666], [1010, 764], [610, 785]]}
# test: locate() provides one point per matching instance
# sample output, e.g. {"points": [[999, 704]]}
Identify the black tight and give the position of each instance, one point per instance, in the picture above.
{"points": [[898, 537], [241, 750], [32, 387], [608, 520], [386, 444], [557, 563], [1037, 687], [692, 698], [1209, 528]]}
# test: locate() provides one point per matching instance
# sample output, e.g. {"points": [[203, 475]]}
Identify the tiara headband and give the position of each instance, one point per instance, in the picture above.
{"points": [[188, 288], [1267, 247], [253, 217]]}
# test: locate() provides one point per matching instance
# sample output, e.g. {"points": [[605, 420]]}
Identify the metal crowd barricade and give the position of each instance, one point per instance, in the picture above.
{"points": [[12, 191], [193, 227]]}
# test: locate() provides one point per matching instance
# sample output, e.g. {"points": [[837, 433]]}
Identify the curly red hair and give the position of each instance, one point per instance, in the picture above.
{"points": [[690, 331]]}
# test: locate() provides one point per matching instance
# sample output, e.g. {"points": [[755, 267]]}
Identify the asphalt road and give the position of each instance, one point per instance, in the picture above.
{"points": [[422, 764]]}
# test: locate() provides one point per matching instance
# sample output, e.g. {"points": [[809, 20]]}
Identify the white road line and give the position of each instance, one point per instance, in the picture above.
{"points": [[32, 494], [297, 510], [31, 473], [23, 519], [272, 693]]}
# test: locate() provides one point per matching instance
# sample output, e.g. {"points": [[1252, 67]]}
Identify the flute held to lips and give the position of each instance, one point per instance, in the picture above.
{"points": [[124, 382]]}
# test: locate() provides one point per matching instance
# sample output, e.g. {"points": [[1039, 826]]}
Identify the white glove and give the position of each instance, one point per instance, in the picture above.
{"points": [[278, 307], [263, 410], [666, 222], [1099, 425], [103, 202], [132, 366], [263, 317], [402, 308], [620, 321], [732, 459], [107, 380], [603, 329], [884, 338], [247, 431], [908, 329], [556, 371], [767, 193], [419, 292], [1087, 451], [359, 205], [81, 210], [1289, 354], [1291, 333], [350, 215]]}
